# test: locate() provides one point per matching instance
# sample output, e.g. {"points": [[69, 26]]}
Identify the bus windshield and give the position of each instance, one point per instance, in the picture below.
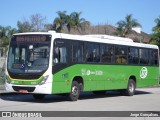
{"points": [[29, 54]]}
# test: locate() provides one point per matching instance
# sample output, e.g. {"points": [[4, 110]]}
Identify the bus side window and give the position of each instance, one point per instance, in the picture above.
{"points": [[153, 57], [121, 54], [77, 52], [144, 56], [60, 55], [107, 54], [133, 55], [92, 53]]}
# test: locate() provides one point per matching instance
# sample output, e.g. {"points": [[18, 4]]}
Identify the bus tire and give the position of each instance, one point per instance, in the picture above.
{"points": [[38, 96], [75, 91], [130, 91]]}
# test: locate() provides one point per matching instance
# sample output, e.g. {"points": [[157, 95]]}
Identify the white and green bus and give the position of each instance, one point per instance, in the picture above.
{"points": [[44, 63]]}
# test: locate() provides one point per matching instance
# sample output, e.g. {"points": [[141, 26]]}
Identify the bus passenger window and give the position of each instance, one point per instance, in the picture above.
{"points": [[60, 55], [92, 53], [144, 56], [107, 53], [121, 54], [153, 57], [133, 55], [77, 52]]}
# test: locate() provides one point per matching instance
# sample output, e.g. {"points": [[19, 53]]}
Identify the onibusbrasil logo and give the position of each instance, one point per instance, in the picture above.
{"points": [[143, 72]]}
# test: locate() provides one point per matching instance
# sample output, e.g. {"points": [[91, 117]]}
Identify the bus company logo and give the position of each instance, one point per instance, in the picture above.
{"points": [[88, 72], [85, 72], [92, 72], [143, 73]]}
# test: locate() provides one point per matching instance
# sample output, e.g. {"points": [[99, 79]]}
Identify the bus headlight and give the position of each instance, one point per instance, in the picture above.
{"points": [[44, 80]]}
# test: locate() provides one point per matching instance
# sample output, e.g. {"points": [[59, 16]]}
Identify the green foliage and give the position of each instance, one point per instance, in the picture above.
{"points": [[72, 21], [24, 26], [125, 26], [5, 36], [59, 21], [36, 23], [155, 37], [79, 23]]}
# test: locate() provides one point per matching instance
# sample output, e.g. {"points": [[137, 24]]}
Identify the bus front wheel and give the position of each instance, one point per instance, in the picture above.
{"points": [[75, 91], [130, 91]]}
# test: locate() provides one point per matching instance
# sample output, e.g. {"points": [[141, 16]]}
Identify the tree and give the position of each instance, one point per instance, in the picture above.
{"points": [[69, 23], [24, 26], [79, 23], [125, 26], [37, 22], [60, 21], [155, 37], [5, 36], [120, 28], [48, 27], [72, 21]]}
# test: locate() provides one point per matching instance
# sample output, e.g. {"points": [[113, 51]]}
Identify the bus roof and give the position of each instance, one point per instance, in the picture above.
{"points": [[95, 38]]}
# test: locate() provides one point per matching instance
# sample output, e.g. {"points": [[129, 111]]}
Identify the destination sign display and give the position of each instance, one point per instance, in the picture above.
{"points": [[29, 38]]}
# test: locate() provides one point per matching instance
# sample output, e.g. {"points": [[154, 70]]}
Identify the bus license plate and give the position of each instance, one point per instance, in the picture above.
{"points": [[23, 91]]}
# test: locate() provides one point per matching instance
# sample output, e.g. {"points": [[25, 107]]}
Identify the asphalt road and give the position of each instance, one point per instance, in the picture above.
{"points": [[145, 99]]}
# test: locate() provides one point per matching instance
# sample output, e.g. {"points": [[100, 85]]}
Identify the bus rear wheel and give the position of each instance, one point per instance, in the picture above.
{"points": [[130, 91], [75, 91]]}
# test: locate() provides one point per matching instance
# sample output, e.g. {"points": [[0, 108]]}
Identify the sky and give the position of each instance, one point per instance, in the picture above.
{"points": [[95, 11]]}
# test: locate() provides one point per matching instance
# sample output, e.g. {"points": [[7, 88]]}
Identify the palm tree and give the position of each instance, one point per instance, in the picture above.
{"points": [[69, 21], [79, 23], [120, 28], [125, 26], [155, 37], [157, 21], [60, 21]]}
